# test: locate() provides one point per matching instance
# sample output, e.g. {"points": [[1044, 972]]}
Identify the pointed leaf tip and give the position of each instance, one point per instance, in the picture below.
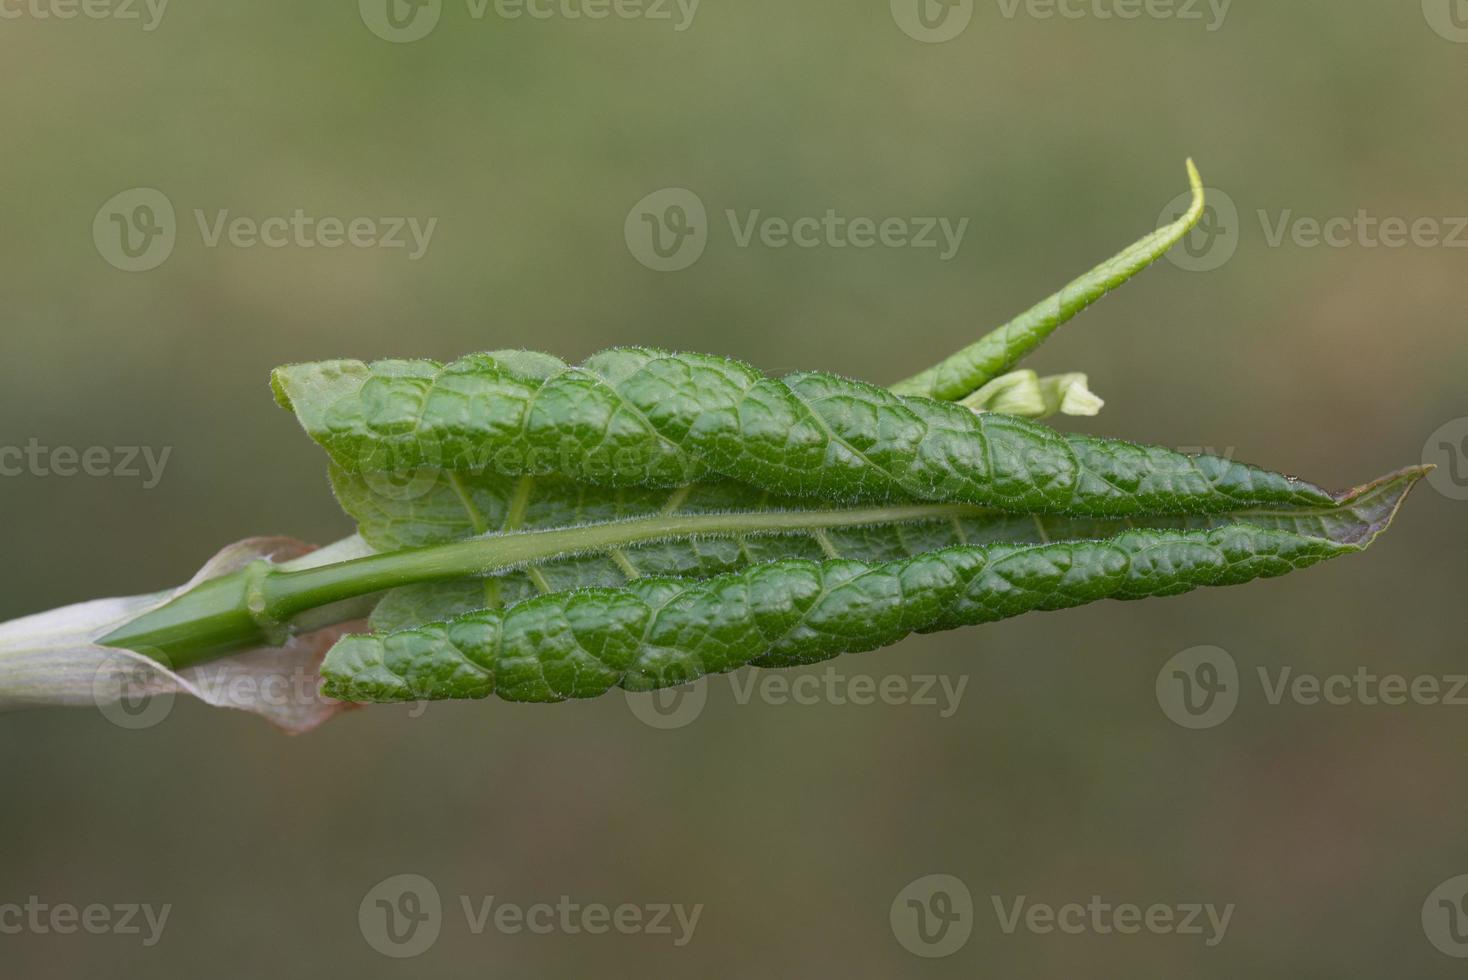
{"points": [[1377, 503]]}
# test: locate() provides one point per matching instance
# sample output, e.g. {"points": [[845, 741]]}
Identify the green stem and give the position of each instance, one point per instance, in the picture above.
{"points": [[262, 604], [999, 351]]}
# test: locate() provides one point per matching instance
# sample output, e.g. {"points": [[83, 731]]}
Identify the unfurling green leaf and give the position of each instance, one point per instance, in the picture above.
{"points": [[542, 531], [976, 517]]}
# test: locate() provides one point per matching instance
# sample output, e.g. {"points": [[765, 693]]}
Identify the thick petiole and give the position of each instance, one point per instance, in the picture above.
{"points": [[260, 605]]}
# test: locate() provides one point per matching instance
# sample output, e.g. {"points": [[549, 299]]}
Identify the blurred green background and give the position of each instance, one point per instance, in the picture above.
{"points": [[1058, 777]]}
